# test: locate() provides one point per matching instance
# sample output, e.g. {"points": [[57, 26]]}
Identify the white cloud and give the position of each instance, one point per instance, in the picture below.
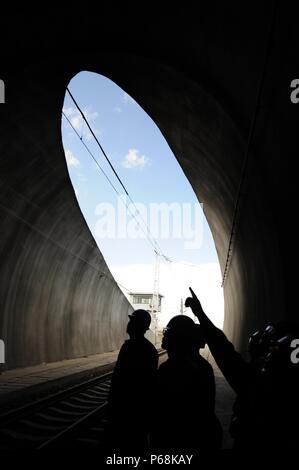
{"points": [[117, 109], [71, 160], [133, 160], [78, 122], [175, 280]]}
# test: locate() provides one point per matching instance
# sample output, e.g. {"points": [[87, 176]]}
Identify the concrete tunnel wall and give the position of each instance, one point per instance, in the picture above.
{"points": [[200, 89], [57, 303]]}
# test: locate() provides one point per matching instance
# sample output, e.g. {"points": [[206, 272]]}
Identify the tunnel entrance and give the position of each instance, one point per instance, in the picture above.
{"points": [[53, 270], [137, 202], [60, 299]]}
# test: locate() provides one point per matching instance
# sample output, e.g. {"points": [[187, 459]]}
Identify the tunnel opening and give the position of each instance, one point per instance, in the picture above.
{"points": [[199, 87], [137, 202], [53, 269]]}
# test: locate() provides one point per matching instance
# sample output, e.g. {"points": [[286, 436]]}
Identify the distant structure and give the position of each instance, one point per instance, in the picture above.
{"points": [[2, 352], [151, 302], [146, 301], [2, 92]]}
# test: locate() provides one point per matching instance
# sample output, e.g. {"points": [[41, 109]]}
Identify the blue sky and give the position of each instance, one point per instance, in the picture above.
{"points": [[145, 164]]}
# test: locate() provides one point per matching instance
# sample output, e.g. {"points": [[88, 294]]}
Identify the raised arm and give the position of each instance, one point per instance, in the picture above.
{"points": [[195, 305], [236, 371]]}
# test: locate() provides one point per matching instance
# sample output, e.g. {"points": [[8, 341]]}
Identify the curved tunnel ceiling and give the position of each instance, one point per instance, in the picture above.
{"points": [[203, 102]]}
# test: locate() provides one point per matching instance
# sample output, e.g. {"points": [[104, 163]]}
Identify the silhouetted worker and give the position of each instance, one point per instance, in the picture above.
{"points": [[185, 397], [246, 403], [266, 404], [281, 391], [131, 393]]}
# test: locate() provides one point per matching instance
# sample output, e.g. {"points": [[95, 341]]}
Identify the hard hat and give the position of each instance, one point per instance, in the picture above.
{"points": [[142, 316]]}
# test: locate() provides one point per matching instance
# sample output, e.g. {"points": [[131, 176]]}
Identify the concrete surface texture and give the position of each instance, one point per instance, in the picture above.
{"points": [[34, 379], [197, 74]]}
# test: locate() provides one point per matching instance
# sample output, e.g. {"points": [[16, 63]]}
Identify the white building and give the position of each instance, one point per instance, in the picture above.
{"points": [[152, 304]]}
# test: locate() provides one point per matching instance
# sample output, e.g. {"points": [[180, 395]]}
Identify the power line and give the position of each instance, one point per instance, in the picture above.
{"points": [[90, 153], [153, 242], [151, 239], [110, 182], [190, 265], [96, 139], [114, 171], [185, 263], [157, 250]]}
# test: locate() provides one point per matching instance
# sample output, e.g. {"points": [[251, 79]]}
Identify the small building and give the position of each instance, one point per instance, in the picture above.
{"points": [[146, 301], [152, 304]]}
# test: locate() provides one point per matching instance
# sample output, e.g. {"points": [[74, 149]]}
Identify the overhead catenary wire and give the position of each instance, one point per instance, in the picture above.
{"points": [[153, 242], [109, 180], [111, 166], [165, 258], [90, 153], [96, 139], [46, 236], [184, 263], [157, 247]]}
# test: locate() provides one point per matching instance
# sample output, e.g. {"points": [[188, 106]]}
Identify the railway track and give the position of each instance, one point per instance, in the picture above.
{"points": [[74, 417]]}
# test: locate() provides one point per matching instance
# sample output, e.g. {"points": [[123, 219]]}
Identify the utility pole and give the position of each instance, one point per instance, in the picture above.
{"points": [[155, 298]]}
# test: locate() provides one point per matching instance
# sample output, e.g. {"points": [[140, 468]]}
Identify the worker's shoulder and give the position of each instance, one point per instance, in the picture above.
{"points": [[138, 346], [127, 347], [126, 344], [149, 346], [205, 365], [164, 367]]}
